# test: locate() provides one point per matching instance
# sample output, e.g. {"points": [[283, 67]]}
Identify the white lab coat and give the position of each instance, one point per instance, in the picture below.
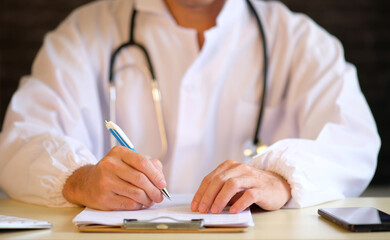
{"points": [[322, 136]]}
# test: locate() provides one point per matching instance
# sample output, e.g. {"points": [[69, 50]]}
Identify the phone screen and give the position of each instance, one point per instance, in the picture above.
{"points": [[358, 219]]}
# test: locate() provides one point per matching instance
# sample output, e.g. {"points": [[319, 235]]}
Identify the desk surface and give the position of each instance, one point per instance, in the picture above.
{"points": [[282, 224]]}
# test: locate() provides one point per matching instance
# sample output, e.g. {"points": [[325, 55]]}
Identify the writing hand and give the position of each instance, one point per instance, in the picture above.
{"points": [[123, 179]]}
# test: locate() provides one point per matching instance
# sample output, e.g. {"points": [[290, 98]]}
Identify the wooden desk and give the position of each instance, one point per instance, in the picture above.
{"points": [[283, 224]]}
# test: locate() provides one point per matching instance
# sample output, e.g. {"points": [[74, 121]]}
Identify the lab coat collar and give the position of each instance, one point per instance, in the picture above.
{"points": [[230, 12]]}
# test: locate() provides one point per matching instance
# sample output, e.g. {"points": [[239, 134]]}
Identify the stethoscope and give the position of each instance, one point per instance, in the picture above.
{"points": [[252, 147]]}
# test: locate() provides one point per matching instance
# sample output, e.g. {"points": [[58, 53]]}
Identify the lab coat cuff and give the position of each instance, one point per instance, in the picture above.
{"points": [[76, 156], [274, 160], [58, 198]]}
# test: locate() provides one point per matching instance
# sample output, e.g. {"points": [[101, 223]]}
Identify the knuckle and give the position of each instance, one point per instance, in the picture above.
{"points": [[220, 178], [157, 163], [158, 178], [105, 184], [139, 179], [230, 162], [206, 180], [224, 164], [244, 167], [137, 193], [116, 149], [143, 163], [232, 183], [107, 163], [251, 194]]}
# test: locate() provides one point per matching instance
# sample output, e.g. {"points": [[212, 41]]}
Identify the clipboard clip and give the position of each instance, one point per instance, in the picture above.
{"points": [[163, 223]]}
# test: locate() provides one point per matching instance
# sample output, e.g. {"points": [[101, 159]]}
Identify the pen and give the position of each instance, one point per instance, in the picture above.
{"points": [[123, 140]]}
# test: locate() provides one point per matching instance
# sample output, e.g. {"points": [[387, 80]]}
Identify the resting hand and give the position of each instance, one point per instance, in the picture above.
{"points": [[241, 185], [123, 179]]}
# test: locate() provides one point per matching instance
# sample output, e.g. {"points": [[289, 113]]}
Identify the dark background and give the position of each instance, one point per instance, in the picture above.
{"points": [[362, 25]]}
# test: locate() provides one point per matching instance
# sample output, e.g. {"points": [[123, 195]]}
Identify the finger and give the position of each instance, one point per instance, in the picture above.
{"points": [[109, 201], [201, 190], [134, 177], [199, 193], [123, 203], [142, 164], [116, 167], [248, 198], [232, 170], [235, 198], [198, 197], [211, 192], [214, 187], [232, 187], [157, 163], [130, 191]]}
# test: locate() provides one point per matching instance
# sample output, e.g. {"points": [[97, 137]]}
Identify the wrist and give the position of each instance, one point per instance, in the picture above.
{"points": [[73, 187], [284, 188]]}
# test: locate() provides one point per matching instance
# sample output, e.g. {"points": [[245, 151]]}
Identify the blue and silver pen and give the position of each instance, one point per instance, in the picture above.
{"points": [[123, 140]]}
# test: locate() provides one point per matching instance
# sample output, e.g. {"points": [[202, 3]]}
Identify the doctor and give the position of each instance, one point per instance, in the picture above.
{"points": [[207, 56]]}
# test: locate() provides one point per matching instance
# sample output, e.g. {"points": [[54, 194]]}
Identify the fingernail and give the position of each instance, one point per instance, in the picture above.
{"points": [[203, 208], [214, 209]]}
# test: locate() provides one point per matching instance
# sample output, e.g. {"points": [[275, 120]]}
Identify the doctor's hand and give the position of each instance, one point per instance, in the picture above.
{"points": [[240, 185], [123, 179]]}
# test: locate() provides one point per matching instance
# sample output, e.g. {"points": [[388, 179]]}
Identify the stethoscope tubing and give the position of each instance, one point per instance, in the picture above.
{"points": [[156, 90], [256, 137]]}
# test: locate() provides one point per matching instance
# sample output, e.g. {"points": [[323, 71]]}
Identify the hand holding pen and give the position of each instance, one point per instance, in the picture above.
{"points": [[123, 140], [122, 180]]}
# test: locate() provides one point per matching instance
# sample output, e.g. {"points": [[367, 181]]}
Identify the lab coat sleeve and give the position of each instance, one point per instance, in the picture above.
{"points": [[54, 123], [333, 152]]}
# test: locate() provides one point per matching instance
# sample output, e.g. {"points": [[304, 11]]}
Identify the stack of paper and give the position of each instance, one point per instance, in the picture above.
{"points": [[178, 208]]}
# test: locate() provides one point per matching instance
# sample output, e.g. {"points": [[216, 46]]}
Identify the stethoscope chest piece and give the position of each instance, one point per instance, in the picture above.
{"points": [[251, 149]]}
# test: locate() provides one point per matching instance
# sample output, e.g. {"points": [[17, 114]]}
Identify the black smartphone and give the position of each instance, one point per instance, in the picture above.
{"points": [[358, 219]]}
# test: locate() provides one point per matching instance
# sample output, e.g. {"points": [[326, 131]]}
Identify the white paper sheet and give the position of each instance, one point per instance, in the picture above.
{"points": [[178, 208]]}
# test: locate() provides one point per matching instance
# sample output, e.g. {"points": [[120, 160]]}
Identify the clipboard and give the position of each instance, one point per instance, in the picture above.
{"points": [[161, 225], [167, 217]]}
